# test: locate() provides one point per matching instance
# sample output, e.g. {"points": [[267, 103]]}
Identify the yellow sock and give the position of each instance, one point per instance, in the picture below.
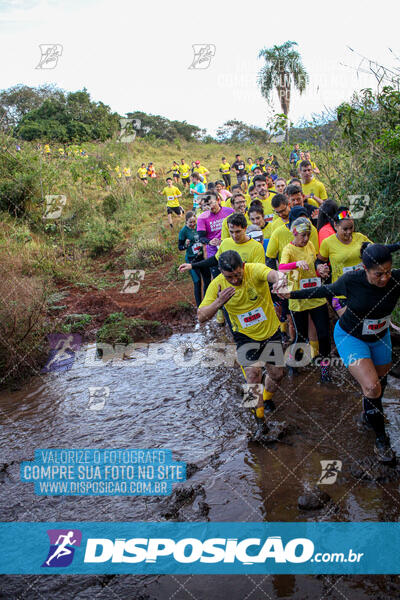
{"points": [[314, 348], [267, 395], [260, 412], [283, 327]]}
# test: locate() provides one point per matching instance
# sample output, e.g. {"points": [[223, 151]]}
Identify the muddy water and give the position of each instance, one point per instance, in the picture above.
{"points": [[196, 411]]}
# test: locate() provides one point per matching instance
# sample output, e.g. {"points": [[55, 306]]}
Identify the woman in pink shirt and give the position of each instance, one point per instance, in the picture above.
{"points": [[326, 212]]}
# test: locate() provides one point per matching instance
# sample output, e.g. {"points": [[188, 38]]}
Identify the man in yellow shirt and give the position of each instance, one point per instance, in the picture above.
{"points": [[307, 156], [312, 188], [242, 289], [225, 169], [142, 173], [173, 194], [184, 170], [265, 196], [238, 203], [201, 170], [127, 173]]}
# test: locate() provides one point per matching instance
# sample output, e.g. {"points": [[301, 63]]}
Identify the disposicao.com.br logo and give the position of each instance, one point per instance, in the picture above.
{"points": [[62, 547]]}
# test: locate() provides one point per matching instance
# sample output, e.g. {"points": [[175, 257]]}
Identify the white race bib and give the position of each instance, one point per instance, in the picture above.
{"points": [[269, 218], [312, 282], [373, 326], [253, 317], [169, 198], [355, 268], [196, 248]]}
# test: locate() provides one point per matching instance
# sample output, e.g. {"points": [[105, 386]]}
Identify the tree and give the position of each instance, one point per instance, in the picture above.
{"points": [[283, 67], [19, 100], [234, 131]]}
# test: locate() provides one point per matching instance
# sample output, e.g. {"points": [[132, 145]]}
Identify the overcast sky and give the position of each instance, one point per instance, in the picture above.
{"points": [[136, 56]]}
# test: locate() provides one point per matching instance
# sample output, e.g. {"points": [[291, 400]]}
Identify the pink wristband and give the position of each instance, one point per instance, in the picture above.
{"points": [[287, 266]]}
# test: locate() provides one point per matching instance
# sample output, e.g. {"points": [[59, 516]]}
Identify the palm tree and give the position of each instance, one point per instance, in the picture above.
{"points": [[282, 67]]}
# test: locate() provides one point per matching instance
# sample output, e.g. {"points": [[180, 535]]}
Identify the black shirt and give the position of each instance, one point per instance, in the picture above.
{"points": [[364, 301], [239, 165]]}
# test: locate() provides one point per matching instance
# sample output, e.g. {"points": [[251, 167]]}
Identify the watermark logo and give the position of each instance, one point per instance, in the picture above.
{"points": [[251, 393], [63, 347], [54, 206], [132, 281], [98, 397], [62, 547], [203, 53], [330, 470], [50, 53], [128, 129], [358, 205]]}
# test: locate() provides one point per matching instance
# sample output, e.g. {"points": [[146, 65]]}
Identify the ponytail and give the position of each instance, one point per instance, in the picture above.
{"points": [[377, 254]]}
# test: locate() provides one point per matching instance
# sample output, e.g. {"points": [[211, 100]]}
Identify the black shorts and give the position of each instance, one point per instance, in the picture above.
{"points": [[176, 175], [178, 210], [143, 179], [253, 353], [185, 179]]}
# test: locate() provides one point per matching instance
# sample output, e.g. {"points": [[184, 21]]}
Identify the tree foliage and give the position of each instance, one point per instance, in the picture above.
{"points": [[238, 132], [73, 117], [158, 127]]}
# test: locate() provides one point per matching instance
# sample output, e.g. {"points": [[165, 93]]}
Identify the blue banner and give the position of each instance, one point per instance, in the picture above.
{"points": [[194, 548]]}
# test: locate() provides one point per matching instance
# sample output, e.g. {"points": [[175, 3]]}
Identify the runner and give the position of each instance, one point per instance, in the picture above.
{"points": [[243, 291], [142, 174], [256, 171], [196, 188], [263, 194], [326, 224], [252, 192], [173, 194], [294, 156], [209, 225], [256, 216], [151, 172], [312, 188], [127, 173], [362, 335], [175, 171], [249, 168], [201, 170], [342, 251], [302, 157], [189, 241], [280, 185], [240, 170], [184, 171], [307, 156], [238, 203], [298, 258], [297, 198], [225, 169], [224, 194]]}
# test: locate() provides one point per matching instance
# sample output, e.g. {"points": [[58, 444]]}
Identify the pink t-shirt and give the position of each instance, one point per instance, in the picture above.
{"points": [[209, 225], [225, 194], [325, 231]]}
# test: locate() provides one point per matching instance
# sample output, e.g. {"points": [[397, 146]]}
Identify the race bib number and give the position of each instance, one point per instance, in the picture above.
{"points": [[253, 317], [170, 198], [269, 218], [355, 268], [312, 282], [373, 326], [196, 248]]}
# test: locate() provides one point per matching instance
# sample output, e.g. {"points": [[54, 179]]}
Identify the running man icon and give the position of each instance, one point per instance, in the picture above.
{"points": [[62, 542]]}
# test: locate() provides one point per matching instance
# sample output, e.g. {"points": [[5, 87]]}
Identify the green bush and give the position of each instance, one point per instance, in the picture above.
{"points": [[147, 253], [100, 236]]}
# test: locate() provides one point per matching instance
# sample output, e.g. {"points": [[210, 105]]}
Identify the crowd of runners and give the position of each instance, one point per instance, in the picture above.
{"points": [[268, 256]]}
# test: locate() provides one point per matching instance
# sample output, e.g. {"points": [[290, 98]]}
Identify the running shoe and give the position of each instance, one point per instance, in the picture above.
{"points": [[383, 449]]}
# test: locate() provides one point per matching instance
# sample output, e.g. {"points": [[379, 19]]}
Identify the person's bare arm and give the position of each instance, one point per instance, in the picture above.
{"points": [[205, 313]]}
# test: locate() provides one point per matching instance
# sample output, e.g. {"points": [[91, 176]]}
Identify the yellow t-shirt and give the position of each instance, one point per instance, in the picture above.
{"points": [[270, 228], [127, 171], [47, 148], [142, 172], [61, 151], [250, 252], [314, 187], [225, 229], [299, 279], [118, 171], [201, 170], [184, 170], [172, 193], [343, 257], [225, 168], [283, 236], [269, 214], [250, 309]]}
